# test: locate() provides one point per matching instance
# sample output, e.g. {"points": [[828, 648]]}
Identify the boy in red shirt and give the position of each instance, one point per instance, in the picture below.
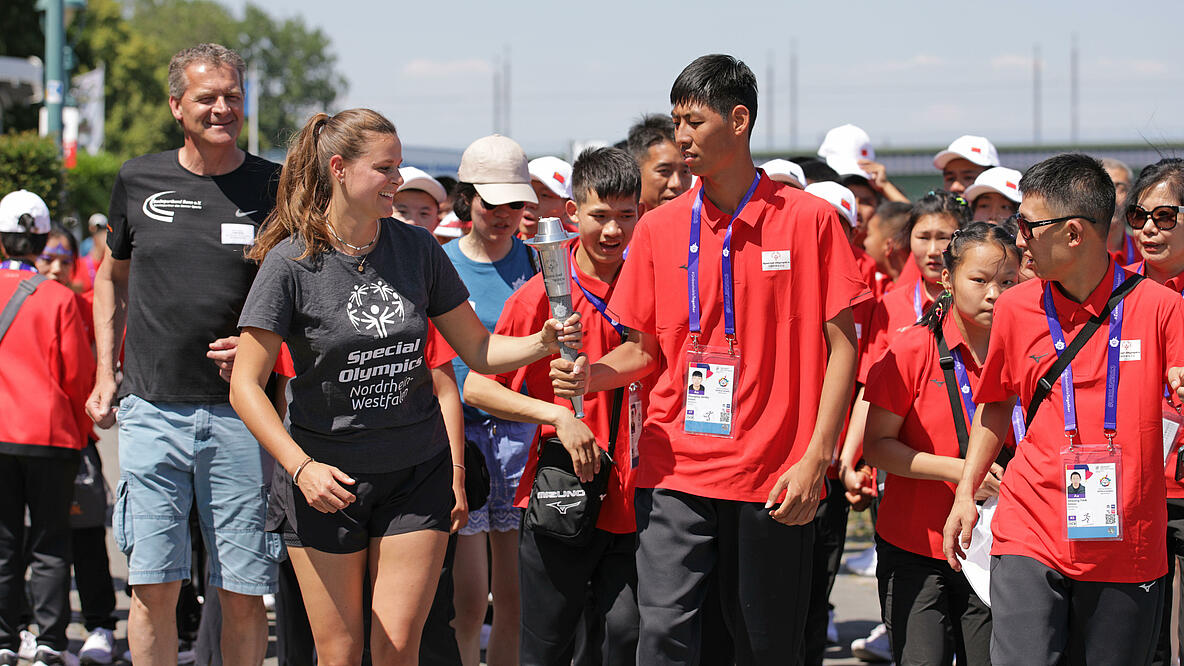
{"points": [[1074, 575], [555, 576], [728, 482]]}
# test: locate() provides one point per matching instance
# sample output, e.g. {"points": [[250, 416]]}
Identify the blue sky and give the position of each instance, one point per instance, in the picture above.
{"points": [[911, 74]]}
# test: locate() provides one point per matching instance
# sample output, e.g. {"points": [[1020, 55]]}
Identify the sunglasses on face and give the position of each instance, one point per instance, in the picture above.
{"points": [[1026, 226], [514, 205], [1163, 217]]}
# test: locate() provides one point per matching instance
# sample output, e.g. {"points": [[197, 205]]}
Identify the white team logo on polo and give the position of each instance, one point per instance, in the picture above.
{"points": [[372, 308], [160, 209]]}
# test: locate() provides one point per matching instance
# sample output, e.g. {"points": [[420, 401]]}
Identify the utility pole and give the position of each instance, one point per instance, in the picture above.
{"points": [[497, 95], [1073, 92], [55, 76], [793, 94], [253, 109], [506, 92], [769, 96], [1036, 94]]}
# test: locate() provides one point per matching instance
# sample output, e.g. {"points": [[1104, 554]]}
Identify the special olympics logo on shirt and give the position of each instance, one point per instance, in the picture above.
{"points": [[372, 308]]}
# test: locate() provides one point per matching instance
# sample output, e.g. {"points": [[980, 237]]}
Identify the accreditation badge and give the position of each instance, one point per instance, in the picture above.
{"points": [[1172, 420], [710, 379], [636, 421], [1093, 492]]}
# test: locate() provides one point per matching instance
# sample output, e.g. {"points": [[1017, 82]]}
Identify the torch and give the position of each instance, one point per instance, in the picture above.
{"points": [[549, 243]]}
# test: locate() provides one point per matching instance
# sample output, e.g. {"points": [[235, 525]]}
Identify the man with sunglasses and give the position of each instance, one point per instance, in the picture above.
{"points": [[1074, 576]]}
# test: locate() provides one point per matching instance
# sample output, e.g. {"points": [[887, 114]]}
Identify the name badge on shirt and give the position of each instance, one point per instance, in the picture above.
{"points": [[1130, 350], [711, 380], [775, 260], [1093, 499], [238, 234], [636, 420]]}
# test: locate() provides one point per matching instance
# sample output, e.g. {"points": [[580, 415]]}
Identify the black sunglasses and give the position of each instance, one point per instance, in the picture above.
{"points": [[1025, 226], [514, 205], [1163, 217]]}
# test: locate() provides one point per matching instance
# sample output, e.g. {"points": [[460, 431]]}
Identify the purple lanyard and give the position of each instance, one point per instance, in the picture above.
{"points": [[1017, 414], [1130, 250], [596, 301], [693, 268], [1142, 270], [17, 265], [1110, 423], [917, 300]]}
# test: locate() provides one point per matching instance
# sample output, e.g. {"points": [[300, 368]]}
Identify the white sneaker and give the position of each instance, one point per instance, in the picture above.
{"points": [[269, 602], [47, 657], [862, 564], [832, 632], [8, 658], [28, 648], [875, 647], [98, 647]]}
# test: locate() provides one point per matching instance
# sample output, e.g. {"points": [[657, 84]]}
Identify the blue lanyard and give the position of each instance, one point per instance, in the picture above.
{"points": [[596, 301], [1130, 250], [1017, 414], [1167, 391], [693, 268], [17, 265], [917, 300], [1110, 422]]}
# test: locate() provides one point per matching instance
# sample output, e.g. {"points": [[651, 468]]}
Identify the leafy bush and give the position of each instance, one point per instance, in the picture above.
{"points": [[89, 184], [30, 162]]}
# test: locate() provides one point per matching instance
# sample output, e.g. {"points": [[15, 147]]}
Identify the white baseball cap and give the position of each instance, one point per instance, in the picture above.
{"points": [[996, 179], [19, 203], [977, 149], [552, 172], [780, 169], [496, 166], [449, 227], [838, 196], [847, 141], [97, 221], [418, 179]]}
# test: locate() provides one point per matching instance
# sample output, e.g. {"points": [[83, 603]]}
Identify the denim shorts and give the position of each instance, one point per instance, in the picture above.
{"points": [[171, 455], [505, 445]]}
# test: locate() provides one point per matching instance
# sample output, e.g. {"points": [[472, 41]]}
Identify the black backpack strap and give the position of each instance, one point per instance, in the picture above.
{"points": [[615, 423], [946, 360], [23, 291], [1044, 386]]}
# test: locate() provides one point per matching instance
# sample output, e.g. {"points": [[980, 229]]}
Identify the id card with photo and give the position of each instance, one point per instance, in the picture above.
{"points": [[709, 408], [636, 421], [1093, 499]]}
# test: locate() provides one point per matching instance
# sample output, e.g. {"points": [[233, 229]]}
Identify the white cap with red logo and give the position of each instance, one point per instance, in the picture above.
{"points": [[997, 179], [449, 227], [838, 196], [977, 149], [418, 179], [554, 173]]}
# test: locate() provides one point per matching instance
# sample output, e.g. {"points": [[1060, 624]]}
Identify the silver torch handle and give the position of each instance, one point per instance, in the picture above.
{"points": [[557, 279]]}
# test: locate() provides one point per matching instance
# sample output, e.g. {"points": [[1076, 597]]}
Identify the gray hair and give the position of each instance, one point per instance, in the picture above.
{"points": [[208, 54], [1109, 163]]}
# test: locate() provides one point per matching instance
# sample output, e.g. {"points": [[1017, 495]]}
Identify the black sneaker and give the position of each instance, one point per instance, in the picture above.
{"points": [[8, 658]]}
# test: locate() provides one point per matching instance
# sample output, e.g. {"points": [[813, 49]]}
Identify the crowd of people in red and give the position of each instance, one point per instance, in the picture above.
{"points": [[338, 381]]}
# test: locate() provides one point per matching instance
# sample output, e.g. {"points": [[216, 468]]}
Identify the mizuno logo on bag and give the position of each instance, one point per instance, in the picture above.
{"points": [[562, 508]]}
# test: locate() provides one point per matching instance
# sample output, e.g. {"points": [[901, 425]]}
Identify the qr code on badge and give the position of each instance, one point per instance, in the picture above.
{"points": [[1111, 519]]}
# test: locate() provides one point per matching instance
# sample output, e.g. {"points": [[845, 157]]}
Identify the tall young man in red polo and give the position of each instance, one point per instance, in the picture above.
{"points": [[752, 283], [1074, 576]]}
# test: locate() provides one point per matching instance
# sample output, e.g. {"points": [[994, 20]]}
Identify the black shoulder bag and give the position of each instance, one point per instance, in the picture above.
{"points": [[24, 289], [560, 506], [946, 360]]}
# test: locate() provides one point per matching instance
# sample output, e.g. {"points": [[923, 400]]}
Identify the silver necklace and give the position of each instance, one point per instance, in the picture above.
{"points": [[357, 248]]}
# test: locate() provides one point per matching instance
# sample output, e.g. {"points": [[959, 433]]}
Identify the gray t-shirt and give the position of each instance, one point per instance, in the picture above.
{"points": [[362, 396]]}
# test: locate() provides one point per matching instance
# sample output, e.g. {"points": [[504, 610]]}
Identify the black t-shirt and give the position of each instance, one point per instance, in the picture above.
{"points": [[185, 235], [362, 396]]}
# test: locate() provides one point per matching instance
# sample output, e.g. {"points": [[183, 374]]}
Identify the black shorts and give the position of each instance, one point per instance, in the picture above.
{"points": [[389, 503]]}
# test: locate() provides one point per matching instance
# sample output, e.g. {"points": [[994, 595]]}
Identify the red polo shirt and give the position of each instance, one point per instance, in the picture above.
{"points": [[781, 307], [908, 381], [893, 315], [1030, 520], [908, 275], [524, 314], [1175, 489]]}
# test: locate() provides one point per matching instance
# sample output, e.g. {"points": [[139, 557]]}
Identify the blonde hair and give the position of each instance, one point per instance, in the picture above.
{"points": [[306, 185]]}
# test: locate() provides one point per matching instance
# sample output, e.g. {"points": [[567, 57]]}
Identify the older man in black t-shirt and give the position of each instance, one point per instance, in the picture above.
{"points": [[179, 224]]}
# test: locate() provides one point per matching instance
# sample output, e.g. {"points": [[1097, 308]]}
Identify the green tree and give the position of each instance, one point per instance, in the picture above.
{"points": [[29, 162], [297, 69]]}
